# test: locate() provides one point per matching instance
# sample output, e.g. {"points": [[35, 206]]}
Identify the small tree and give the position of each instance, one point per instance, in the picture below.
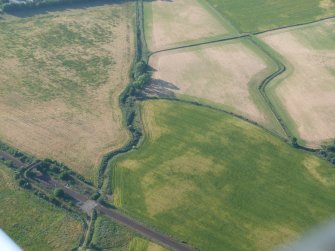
{"points": [[140, 68], [65, 176], [142, 80], [294, 141], [58, 192]]}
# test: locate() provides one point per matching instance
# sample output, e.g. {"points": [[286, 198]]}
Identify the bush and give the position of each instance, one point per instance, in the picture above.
{"points": [[65, 176], [142, 80], [59, 193], [95, 196], [24, 184], [43, 166], [295, 142], [140, 68], [9, 163]]}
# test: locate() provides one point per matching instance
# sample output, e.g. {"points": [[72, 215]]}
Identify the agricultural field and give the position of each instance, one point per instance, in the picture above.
{"points": [[62, 73], [306, 94], [223, 182], [260, 15], [109, 235], [33, 223], [225, 164], [195, 19], [224, 74]]}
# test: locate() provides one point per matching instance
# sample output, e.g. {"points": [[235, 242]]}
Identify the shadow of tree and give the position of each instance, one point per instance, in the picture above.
{"points": [[161, 88]]}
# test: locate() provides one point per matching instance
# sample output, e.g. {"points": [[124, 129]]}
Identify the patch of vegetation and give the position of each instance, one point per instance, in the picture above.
{"points": [[33, 223], [14, 6], [24, 157], [260, 15], [223, 182], [328, 152], [109, 235]]}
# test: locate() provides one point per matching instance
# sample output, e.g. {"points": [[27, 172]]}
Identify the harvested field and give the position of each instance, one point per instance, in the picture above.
{"points": [[169, 23], [306, 95], [33, 223], [260, 15], [60, 81], [225, 74], [224, 184]]}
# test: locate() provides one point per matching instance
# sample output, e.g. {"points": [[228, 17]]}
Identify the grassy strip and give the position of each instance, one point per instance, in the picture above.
{"points": [[281, 68], [90, 230]]}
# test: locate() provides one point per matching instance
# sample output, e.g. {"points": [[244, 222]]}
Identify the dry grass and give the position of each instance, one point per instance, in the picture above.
{"points": [[219, 73], [59, 87], [177, 21], [308, 93]]}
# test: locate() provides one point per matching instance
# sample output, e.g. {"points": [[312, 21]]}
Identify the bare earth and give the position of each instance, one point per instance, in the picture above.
{"points": [[56, 111], [308, 93], [180, 21], [220, 74]]}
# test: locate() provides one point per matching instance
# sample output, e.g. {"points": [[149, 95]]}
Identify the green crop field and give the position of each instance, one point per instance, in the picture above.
{"points": [[218, 182], [260, 15], [33, 223]]}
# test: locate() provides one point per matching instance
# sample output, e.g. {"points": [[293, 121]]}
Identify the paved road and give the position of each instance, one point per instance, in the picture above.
{"points": [[110, 212]]}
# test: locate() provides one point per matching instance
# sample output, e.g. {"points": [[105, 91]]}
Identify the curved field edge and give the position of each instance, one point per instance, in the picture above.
{"points": [[269, 120], [192, 170], [33, 223]]}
